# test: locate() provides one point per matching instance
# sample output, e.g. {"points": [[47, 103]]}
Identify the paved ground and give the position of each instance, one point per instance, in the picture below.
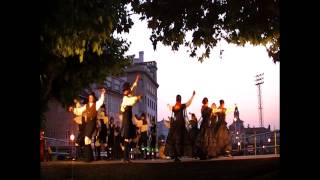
{"points": [[237, 167]]}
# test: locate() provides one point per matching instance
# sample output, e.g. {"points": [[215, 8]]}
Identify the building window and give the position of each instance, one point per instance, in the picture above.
{"points": [[67, 134], [108, 84], [117, 85]]}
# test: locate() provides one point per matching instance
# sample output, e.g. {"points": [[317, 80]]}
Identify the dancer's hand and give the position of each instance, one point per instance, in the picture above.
{"points": [[194, 92], [103, 90], [70, 109]]}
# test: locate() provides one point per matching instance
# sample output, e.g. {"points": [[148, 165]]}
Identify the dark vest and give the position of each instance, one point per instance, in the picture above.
{"points": [[91, 111]]}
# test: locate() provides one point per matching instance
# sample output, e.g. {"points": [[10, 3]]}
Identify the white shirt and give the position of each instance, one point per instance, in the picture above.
{"points": [[80, 110], [76, 110], [128, 101]]}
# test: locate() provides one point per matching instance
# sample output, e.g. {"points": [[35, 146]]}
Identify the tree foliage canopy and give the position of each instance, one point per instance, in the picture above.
{"points": [[79, 43], [78, 46], [236, 21]]}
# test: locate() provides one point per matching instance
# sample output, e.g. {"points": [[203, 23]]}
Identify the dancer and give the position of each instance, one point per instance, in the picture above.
{"points": [[222, 132], [193, 133], [178, 143], [128, 129], [90, 110], [203, 140]]}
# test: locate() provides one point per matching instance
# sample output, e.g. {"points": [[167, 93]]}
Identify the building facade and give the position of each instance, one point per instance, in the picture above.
{"points": [[59, 125], [59, 122], [162, 130], [147, 86], [245, 138]]}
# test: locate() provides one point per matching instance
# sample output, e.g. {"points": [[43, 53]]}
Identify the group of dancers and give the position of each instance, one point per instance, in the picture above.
{"points": [[93, 124], [211, 140]]}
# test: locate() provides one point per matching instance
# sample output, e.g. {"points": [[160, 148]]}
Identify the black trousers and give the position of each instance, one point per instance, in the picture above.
{"points": [[88, 153], [127, 148], [90, 127], [143, 139], [98, 152], [88, 131]]}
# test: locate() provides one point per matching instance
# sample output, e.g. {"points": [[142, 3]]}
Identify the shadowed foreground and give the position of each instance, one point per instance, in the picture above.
{"points": [[225, 168]]}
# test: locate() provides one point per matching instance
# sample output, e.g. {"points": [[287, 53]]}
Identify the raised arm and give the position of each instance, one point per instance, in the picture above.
{"points": [[101, 99], [135, 84], [169, 106], [188, 103]]}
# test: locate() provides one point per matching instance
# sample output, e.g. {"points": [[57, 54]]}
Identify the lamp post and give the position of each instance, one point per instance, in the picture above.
{"points": [[42, 146], [72, 137], [269, 143], [255, 144], [259, 81], [275, 142]]}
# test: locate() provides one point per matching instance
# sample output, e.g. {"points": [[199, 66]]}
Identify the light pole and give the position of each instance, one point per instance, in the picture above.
{"points": [[269, 143], [259, 81], [275, 142], [255, 144], [72, 144]]}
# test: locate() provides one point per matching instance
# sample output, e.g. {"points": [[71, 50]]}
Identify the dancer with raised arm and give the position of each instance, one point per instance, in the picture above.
{"points": [[128, 128], [178, 142], [90, 109]]}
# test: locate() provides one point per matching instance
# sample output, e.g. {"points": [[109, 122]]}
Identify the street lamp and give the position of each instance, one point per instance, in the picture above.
{"points": [[259, 81], [72, 137], [269, 140]]}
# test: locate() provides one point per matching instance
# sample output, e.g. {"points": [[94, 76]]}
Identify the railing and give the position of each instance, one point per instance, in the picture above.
{"points": [[59, 148], [262, 143], [256, 144], [67, 150]]}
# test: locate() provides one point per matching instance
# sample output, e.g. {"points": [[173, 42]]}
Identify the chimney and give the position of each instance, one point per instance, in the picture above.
{"points": [[140, 56]]}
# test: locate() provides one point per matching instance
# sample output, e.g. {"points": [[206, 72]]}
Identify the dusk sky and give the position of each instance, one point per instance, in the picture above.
{"points": [[231, 77]]}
